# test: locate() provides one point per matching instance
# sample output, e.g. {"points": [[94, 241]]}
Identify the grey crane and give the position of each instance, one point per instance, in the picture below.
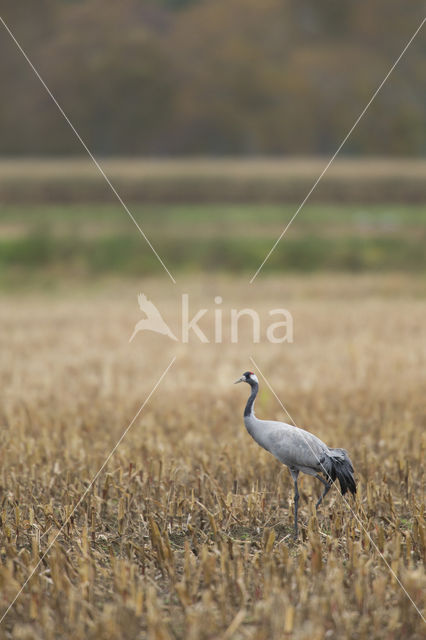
{"points": [[298, 449]]}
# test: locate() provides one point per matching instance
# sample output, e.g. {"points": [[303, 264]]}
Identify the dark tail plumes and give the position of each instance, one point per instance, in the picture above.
{"points": [[339, 466]]}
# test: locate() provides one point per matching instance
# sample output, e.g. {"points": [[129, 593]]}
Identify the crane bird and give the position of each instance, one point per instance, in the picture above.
{"points": [[298, 449]]}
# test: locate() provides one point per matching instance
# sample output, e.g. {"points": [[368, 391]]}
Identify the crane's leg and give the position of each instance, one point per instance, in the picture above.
{"points": [[294, 475], [326, 490]]}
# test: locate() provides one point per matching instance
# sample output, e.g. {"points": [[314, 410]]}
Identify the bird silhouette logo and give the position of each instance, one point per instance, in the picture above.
{"points": [[153, 320]]}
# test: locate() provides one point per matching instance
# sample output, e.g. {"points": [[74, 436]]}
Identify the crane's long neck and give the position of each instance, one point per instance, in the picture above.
{"points": [[249, 410]]}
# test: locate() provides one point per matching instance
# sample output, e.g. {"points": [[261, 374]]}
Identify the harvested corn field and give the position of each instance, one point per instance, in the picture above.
{"points": [[186, 532]]}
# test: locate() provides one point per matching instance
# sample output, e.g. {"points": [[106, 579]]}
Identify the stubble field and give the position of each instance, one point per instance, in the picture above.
{"points": [[186, 532]]}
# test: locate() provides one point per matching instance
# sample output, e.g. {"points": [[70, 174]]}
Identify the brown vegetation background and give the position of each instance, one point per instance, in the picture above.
{"points": [[212, 76]]}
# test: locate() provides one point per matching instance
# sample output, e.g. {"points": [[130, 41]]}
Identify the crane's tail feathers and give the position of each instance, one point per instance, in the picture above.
{"points": [[338, 465]]}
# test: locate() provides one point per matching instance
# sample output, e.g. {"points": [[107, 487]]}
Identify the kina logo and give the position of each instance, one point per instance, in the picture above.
{"points": [[225, 324]]}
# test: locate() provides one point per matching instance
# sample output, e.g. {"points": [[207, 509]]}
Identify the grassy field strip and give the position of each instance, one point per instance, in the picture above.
{"points": [[78, 242], [222, 180]]}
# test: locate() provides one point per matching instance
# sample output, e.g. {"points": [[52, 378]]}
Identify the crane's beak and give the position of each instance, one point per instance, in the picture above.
{"points": [[239, 380]]}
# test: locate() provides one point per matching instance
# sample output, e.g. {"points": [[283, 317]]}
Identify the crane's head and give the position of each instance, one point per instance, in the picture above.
{"points": [[248, 377]]}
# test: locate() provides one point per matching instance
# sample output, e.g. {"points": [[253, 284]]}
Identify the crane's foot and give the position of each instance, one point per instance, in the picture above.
{"points": [[296, 532], [327, 485]]}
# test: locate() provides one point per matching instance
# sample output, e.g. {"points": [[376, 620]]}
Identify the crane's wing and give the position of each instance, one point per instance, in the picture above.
{"points": [[293, 446]]}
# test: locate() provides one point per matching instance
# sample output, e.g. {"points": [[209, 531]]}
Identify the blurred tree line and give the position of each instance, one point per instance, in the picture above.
{"points": [[212, 76]]}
